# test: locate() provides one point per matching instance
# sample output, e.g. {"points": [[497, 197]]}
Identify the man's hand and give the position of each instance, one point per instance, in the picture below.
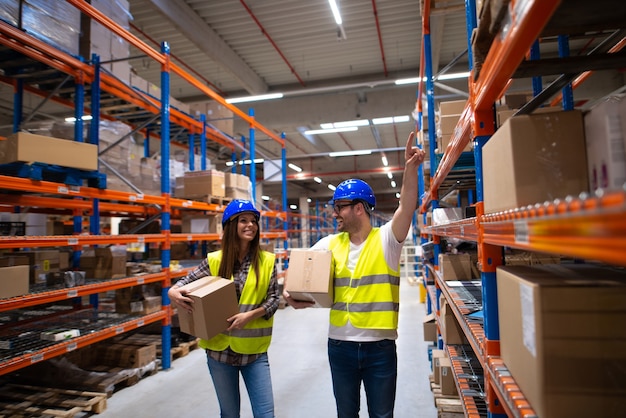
{"points": [[413, 155], [296, 304]]}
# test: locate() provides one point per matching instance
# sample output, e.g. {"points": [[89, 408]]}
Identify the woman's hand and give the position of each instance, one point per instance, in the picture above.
{"points": [[238, 321], [180, 299]]}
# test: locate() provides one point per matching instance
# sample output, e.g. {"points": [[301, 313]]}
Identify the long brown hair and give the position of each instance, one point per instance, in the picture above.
{"points": [[230, 249]]}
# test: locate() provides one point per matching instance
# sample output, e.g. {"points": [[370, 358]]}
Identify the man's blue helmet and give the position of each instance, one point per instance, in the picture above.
{"points": [[355, 189], [238, 206]]}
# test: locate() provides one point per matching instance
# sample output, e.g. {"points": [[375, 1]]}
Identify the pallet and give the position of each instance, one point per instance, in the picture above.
{"points": [[116, 378], [181, 350], [34, 401], [57, 174]]}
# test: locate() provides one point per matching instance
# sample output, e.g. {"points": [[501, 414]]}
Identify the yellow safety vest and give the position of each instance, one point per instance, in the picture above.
{"points": [[256, 336], [370, 296]]}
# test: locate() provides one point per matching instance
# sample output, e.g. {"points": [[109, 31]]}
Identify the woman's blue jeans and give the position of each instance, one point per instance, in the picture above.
{"points": [[257, 378], [373, 363]]}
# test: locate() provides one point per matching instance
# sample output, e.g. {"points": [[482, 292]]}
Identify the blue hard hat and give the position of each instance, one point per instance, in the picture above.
{"points": [[355, 189], [238, 206]]}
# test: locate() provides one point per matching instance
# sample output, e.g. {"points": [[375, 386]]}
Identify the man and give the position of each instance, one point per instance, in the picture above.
{"points": [[364, 315]]}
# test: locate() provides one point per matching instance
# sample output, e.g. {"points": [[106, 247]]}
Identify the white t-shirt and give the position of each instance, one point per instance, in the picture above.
{"points": [[392, 249]]}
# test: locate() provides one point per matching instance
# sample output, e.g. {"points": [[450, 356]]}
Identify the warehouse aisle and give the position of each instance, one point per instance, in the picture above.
{"points": [[300, 373]]}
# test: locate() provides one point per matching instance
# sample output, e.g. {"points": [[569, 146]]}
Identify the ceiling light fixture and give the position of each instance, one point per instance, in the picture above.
{"points": [[331, 187], [73, 119], [390, 119], [294, 207], [335, 10], [350, 153], [385, 162], [265, 197], [255, 98], [246, 162], [414, 80], [295, 167], [317, 179], [389, 175], [330, 131], [393, 183]]}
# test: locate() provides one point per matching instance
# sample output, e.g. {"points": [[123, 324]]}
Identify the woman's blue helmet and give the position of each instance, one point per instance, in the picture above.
{"points": [[238, 206], [355, 189]]}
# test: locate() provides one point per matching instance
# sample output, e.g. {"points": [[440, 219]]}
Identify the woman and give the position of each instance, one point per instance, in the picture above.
{"points": [[242, 348]]}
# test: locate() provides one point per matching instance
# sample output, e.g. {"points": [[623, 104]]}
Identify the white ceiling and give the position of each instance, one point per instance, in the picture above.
{"points": [[250, 47]]}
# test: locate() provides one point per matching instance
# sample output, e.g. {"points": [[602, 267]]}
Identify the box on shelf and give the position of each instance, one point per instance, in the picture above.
{"points": [[14, 280], [452, 107], [455, 266], [59, 334], [201, 224], [29, 148], [103, 263], [451, 331], [562, 337], [534, 158], [430, 328], [605, 138], [446, 377], [126, 354], [309, 277], [436, 356], [42, 262], [215, 300], [204, 183]]}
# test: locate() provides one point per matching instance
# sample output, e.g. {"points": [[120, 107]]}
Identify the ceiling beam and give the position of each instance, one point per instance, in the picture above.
{"points": [[187, 21]]}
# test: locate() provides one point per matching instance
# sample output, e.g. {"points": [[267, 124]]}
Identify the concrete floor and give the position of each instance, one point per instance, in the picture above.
{"points": [[300, 373]]}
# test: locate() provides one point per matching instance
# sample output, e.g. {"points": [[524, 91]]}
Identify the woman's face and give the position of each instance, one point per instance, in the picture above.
{"points": [[247, 226]]}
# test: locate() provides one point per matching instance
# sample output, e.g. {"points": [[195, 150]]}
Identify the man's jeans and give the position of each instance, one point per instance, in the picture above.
{"points": [[256, 376], [374, 364]]}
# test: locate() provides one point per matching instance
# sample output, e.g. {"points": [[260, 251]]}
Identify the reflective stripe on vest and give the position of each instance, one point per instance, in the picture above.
{"points": [[370, 296], [256, 336]]}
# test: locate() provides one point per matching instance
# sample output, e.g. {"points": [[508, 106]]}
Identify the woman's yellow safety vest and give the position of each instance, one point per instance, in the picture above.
{"points": [[256, 336], [370, 296]]}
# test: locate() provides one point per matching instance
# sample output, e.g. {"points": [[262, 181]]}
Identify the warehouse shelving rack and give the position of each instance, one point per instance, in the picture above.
{"points": [[79, 201], [591, 227]]}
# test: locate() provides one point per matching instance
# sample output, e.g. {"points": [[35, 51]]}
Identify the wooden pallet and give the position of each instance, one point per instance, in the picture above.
{"points": [[34, 401], [116, 378]]}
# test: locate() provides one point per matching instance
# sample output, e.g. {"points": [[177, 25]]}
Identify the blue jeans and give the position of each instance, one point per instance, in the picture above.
{"points": [[373, 363], [256, 376]]}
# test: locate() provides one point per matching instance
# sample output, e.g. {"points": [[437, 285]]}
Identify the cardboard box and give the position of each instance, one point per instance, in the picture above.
{"points": [[215, 300], [562, 337], [204, 183], [309, 277], [430, 328], [29, 148], [42, 262], [606, 158], [436, 356], [534, 158], [451, 331], [126, 354], [14, 281], [452, 107], [455, 266], [446, 377], [102, 263], [59, 334], [201, 224]]}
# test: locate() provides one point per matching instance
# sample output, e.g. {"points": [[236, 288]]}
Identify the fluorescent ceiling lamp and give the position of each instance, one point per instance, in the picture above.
{"points": [[317, 179], [308, 199], [397, 195], [330, 131], [265, 197], [389, 175], [294, 167], [331, 187], [294, 207], [345, 124], [453, 76], [414, 80], [390, 119], [393, 183], [246, 162], [350, 153], [73, 119], [254, 98], [385, 162], [335, 10]]}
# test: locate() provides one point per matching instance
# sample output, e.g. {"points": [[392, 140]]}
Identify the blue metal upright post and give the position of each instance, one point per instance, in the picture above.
{"points": [[203, 143], [567, 92], [166, 334]]}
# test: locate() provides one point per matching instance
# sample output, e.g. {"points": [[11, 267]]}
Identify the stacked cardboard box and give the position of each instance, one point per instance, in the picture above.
{"points": [[534, 158], [103, 263], [562, 337], [237, 186], [449, 115], [203, 184]]}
